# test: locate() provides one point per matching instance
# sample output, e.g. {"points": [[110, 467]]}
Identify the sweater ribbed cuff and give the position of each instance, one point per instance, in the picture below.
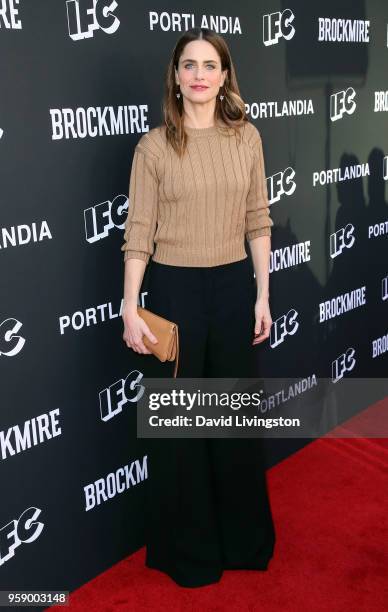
{"points": [[130, 254], [263, 231]]}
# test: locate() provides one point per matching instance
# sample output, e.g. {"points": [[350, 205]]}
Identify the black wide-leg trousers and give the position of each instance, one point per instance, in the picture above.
{"points": [[207, 505]]}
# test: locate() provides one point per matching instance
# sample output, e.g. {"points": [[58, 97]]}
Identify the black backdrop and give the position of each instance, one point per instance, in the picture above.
{"points": [[63, 207]]}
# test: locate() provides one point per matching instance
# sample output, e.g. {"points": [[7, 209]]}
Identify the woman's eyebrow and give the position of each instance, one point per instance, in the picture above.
{"points": [[195, 61]]}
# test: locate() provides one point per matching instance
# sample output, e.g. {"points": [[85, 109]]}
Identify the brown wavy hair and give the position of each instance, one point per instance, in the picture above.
{"points": [[229, 111]]}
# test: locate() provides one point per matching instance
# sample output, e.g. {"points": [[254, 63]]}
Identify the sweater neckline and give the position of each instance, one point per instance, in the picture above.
{"points": [[197, 132]]}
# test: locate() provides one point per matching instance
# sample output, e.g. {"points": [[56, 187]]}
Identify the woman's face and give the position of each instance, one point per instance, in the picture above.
{"points": [[199, 72]]}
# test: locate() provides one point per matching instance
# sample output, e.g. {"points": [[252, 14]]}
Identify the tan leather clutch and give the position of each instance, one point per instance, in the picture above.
{"points": [[167, 333]]}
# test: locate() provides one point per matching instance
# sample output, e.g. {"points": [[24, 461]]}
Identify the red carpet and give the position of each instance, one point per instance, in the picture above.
{"points": [[329, 502]]}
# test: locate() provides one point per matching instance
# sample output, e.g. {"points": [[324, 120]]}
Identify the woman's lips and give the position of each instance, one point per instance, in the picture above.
{"points": [[199, 87]]}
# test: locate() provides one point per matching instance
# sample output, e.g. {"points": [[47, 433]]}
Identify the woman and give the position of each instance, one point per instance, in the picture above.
{"points": [[197, 187]]}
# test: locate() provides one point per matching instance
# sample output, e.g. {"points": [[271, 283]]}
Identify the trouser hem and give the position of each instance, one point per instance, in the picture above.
{"points": [[182, 581]]}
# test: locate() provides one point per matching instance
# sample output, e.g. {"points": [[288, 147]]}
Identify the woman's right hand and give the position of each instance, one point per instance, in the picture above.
{"points": [[134, 329]]}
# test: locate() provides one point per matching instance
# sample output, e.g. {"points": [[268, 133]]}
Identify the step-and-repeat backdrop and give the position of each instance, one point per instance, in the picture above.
{"points": [[81, 81]]}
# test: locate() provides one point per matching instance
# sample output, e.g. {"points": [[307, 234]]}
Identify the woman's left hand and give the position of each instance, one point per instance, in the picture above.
{"points": [[263, 320]]}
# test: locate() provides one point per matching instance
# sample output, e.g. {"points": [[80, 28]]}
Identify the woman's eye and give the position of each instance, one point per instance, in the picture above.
{"points": [[208, 66]]}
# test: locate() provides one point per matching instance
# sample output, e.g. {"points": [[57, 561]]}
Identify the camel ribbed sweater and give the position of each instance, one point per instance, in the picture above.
{"points": [[197, 209]]}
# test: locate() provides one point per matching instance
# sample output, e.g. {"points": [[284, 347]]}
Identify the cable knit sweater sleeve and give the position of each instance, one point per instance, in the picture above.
{"points": [[141, 221], [257, 221]]}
